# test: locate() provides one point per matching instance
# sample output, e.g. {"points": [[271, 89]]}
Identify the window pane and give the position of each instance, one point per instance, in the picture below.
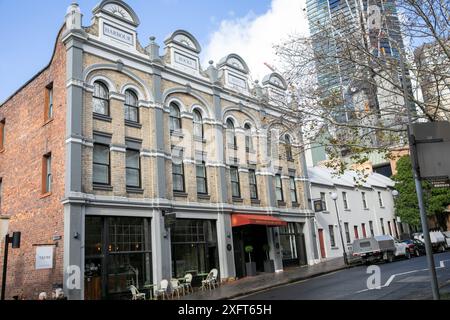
{"points": [[198, 130], [100, 106], [101, 154], [101, 174], [201, 171], [131, 99], [133, 158], [100, 91], [234, 175], [252, 177], [132, 114], [235, 190], [177, 168], [133, 179], [253, 192], [174, 111], [201, 185], [278, 181], [178, 183]]}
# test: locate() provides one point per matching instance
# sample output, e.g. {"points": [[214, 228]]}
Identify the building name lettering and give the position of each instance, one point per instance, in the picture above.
{"points": [[235, 81], [117, 34], [185, 61]]}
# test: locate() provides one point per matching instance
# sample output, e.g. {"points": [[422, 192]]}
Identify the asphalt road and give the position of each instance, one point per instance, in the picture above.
{"points": [[402, 279]]}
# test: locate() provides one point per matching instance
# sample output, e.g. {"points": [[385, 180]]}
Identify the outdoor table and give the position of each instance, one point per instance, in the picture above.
{"points": [[150, 288]]}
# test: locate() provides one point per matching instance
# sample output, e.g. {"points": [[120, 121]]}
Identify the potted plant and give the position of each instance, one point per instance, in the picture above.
{"points": [[269, 265], [250, 266]]}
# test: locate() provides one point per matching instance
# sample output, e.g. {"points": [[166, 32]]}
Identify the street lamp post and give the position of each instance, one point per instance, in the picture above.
{"points": [[334, 197]]}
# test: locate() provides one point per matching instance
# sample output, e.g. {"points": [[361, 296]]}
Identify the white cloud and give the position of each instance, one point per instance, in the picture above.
{"points": [[253, 37]]}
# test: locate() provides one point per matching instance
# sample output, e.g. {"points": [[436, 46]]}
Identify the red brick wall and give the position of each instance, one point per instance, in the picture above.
{"points": [[28, 138]]}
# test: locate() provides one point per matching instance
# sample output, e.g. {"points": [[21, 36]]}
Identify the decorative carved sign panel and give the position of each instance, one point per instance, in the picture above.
{"points": [[238, 82], [118, 34], [185, 61], [236, 63], [118, 11], [185, 40]]}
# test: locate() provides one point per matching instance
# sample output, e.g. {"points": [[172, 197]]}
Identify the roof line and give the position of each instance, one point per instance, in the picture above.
{"points": [[37, 74]]}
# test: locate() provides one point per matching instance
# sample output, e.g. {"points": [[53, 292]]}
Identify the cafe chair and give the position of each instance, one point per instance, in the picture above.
{"points": [[214, 279], [187, 285], [176, 287], [163, 289], [211, 280], [136, 295]]}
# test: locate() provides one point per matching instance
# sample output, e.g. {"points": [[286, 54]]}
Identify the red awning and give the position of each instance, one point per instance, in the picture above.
{"points": [[238, 220]]}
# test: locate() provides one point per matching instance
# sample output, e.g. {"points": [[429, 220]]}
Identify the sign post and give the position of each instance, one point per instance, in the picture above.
{"points": [[15, 241]]}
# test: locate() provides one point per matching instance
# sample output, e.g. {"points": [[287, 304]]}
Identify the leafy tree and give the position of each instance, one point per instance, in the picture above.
{"points": [[407, 207]]}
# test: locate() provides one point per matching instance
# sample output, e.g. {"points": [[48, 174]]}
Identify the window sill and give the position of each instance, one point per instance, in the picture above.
{"points": [[45, 195], [102, 187], [367, 209], [236, 199], [135, 190], [102, 117], [203, 196], [348, 210], [295, 205], [291, 160], [325, 211], [281, 203], [256, 201], [48, 121], [199, 139], [132, 124], [232, 147], [177, 133], [334, 248], [180, 194]]}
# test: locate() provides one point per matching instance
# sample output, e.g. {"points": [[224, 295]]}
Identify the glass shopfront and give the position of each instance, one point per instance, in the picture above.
{"points": [[194, 247], [293, 245], [117, 255]]}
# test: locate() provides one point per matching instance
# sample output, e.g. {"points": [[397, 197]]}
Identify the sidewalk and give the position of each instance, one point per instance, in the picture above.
{"points": [[265, 281]]}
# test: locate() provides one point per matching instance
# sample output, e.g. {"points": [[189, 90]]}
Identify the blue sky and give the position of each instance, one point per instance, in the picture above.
{"points": [[29, 27]]}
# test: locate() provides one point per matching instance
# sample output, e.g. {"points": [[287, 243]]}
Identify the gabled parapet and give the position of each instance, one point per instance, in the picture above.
{"points": [[234, 73], [182, 52], [275, 87], [117, 24]]}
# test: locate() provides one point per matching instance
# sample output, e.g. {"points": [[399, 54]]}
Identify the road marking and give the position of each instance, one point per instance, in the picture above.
{"points": [[392, 277], [286, 285]]}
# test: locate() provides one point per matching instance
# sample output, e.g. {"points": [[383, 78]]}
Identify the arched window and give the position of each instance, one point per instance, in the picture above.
{"points": [[100, 101], [175, 117], [198, 124], [231, 134], [248, 138], [131, 106], [287, 140]]}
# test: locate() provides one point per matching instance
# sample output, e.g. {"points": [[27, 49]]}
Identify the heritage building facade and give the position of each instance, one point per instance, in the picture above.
{"points": [[137, 165]]}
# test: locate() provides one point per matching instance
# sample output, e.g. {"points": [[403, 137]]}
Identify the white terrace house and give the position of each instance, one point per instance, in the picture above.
{"points": [[365, 209]]}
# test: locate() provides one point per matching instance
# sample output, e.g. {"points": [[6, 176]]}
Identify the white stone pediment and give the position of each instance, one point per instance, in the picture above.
{"points": [[119, 11]]}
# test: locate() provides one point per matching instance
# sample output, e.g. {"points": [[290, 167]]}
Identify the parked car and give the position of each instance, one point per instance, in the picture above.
{"points": [[438, 240], [447, 238], [380, 248], [416, 247]]}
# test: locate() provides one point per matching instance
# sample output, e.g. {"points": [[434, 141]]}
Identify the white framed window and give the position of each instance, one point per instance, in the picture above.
{"points": [[364, 200], [344, 200], [380, 199], [324, 201]]}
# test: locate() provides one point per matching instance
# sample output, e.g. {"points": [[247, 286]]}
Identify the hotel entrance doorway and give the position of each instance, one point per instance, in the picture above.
{"points": [[249, 235]]}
